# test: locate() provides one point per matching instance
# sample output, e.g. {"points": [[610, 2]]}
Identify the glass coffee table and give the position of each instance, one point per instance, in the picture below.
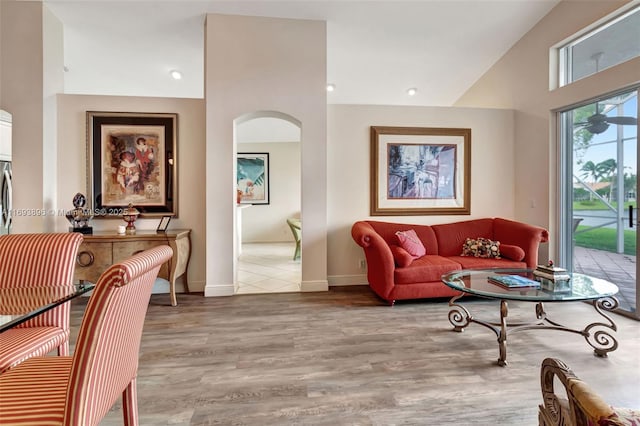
{"points": [[475, 282]]}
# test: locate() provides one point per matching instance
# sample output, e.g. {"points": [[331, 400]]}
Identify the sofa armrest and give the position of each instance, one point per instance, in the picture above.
{"points": [[581, 405], [380, 263], [527, 237]]}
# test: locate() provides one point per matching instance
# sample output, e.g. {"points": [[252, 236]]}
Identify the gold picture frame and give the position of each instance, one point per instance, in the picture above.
{"points": [[420, 171]]}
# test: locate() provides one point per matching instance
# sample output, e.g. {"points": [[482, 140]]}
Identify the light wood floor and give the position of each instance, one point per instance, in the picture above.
{"points": [[344, 358]]}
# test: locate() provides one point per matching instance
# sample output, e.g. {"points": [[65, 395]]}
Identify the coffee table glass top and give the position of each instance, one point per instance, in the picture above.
{"points": [[475, 282]]}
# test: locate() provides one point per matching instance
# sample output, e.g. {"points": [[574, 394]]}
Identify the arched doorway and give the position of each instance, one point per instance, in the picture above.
{"points": [[268, 176]]}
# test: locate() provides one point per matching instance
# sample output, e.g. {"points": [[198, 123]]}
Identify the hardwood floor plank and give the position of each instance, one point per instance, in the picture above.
{"points": [[345, 358]]}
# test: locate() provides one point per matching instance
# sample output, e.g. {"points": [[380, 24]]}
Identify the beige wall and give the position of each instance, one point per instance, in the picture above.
{"points": [[520, 81], [492, 171], [72, 164], [23, 96], [257, 64], [268, 222]]}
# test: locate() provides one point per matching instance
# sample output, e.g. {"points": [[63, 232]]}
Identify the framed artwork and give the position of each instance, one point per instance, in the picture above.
{"points": [[253, 178], [164, 224], [420, 171], [131, 159]]}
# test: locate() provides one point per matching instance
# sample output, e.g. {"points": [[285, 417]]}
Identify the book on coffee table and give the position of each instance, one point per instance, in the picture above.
{"points": [[513, 281]]}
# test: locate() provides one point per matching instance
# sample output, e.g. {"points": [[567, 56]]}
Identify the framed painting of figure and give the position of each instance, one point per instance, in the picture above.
{"points": [[132, 160]]}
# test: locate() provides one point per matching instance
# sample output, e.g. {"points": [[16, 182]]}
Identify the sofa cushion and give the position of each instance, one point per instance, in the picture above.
{"points": [[511, 252], [451, 236], [481, 247], [387, 230], [401, 257], [425, 269], [409, 241], [468, 262]]}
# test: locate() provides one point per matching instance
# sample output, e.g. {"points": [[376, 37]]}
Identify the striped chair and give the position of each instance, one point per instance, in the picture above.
{"points": [[80, 390], [28, 260]]}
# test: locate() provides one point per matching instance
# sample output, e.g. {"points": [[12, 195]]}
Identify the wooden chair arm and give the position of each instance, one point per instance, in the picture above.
{"points": [[581, 403]]}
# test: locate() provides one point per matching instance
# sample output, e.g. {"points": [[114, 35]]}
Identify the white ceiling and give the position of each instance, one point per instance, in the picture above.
{"points": [[376, 49]]}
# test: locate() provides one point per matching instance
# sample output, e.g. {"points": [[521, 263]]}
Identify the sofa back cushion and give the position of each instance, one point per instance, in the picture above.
{"points": [[387, 231], [452, 236]]}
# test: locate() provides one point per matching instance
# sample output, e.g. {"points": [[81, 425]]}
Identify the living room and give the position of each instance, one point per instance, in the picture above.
{"points": [[522, 71], [509, 110]]}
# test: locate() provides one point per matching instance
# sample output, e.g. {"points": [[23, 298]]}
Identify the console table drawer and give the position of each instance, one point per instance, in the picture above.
{"points": [[124, 250], [92, 260]]}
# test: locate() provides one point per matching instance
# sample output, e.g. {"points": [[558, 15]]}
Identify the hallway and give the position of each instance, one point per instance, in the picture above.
{"points": [[268, 268]]}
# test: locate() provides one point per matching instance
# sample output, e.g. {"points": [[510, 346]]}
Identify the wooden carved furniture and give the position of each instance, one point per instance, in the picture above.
{"points": [[80, 390], [104, 248], [581, 406], [37, 260]]}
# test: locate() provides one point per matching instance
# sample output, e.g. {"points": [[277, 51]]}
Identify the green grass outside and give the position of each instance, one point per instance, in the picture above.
{"points": [[598, 205], [605, 239]]}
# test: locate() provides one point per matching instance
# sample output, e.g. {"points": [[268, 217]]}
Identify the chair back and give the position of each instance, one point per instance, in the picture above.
{"points": [[29, 260], [105, 358]]}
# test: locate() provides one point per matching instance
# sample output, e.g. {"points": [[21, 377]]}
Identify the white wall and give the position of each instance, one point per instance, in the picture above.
{"points": [[348, 152], [520, 80], [72, 165], [267, 222], [264, 64]]}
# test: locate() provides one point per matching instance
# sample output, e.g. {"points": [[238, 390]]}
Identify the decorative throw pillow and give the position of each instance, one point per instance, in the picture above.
{"points": [[409, 241], [481, 247], [511, 252], [401, 257]]}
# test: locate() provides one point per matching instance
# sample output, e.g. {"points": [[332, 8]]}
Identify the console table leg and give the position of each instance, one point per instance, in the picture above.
{"points": [[502, 337], [172, 291]]}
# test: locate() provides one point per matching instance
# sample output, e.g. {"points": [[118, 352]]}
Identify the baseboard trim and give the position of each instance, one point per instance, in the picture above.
{"points": [[343, 280], [320, 285], [219, 290]]}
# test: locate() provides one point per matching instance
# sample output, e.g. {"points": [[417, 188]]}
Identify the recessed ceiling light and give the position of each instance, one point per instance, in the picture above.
{"points": [[412, 91], [331, 87], [177, 75]]}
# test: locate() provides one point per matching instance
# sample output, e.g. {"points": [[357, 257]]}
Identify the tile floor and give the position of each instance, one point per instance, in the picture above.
{"points": [[268, 268], [619, 269]]}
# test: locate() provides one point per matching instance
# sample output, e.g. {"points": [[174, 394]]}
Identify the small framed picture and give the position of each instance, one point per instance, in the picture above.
{"points": [[164, 224]]}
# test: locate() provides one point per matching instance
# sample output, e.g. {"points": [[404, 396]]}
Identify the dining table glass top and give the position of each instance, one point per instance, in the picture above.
{"points": [[18, 305]]}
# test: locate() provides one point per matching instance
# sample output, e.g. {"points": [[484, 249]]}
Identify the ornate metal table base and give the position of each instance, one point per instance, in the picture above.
{"points": [[598, 334]]}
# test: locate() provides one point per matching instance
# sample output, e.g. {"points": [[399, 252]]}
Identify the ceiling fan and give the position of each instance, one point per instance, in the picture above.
{"points": [[599, 123]]}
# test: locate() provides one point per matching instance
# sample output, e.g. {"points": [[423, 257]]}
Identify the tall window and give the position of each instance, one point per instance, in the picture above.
{"points": [[610, 44], [599, 187]]}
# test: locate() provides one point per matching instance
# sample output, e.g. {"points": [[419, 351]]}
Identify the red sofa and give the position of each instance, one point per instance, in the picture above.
{"points": [[444, 246]]}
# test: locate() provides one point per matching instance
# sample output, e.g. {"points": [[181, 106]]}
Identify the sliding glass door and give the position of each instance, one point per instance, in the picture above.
{"points": [[599, 184]]}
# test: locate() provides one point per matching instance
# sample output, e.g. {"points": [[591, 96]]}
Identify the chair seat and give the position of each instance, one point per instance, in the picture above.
{"points": [[18, 344], [36, 386]]}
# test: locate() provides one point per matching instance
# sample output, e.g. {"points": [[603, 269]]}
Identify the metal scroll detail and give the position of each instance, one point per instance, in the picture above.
{"points": [[459, 316], [598, 334]]}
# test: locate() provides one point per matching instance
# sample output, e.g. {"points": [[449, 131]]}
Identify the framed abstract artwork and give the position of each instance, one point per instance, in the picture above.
{"points": [[132, 160], [253, 178], [420, 171]]}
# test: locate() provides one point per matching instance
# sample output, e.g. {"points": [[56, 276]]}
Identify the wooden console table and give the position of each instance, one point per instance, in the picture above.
{"points": [[101, 249]]}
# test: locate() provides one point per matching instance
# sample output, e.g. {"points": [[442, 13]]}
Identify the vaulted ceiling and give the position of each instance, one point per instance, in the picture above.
{"points": [[376, 50]]}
